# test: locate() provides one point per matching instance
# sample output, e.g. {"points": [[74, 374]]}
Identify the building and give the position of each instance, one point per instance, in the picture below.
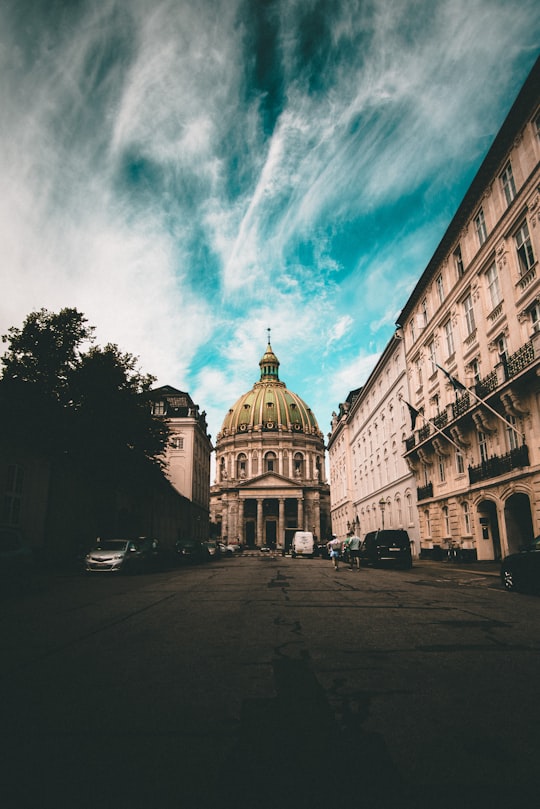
{"points": [[188, 455], [471, 335], [371, 485], [270, 470]]}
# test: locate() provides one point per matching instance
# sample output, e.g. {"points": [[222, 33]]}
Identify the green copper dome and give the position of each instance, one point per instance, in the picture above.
{"points": [[269, 405]]}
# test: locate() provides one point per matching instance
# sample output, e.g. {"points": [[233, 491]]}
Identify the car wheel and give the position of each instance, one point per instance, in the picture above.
{"points": [[508, 580]]}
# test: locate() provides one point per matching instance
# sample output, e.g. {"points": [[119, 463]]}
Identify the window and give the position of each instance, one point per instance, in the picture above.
{"points": [[424, 313], [177, 442], [466, 518], [419, 375], [428, 522], [270, 461], [524, 249], [440, 288], [508, 185], [413, 335], [480, 225], [475, 368], [432, 357], [482, 446], [460, 463], [11, 509], [442, 475], [469, 315], [446, 521], [458, 262], [158, 408], [410, 514], [512, 435], [502, 348], [241, 465], [449, 337], [534, 314], [493, 285], [298, 464]]}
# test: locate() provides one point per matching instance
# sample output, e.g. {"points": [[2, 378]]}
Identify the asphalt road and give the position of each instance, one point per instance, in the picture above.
{"points": [[265, 682]]}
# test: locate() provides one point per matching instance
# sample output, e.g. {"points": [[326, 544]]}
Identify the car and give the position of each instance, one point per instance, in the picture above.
{"points": [[233, 548], [520, 572], [15, 555], [390, 546], [122, 555], [212, 548], [191, 551]]}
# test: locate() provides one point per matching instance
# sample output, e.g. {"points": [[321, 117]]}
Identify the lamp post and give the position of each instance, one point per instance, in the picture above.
{"points": [[382, 504]]}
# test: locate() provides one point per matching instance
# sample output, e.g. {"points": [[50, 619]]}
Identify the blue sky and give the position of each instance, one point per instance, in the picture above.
{"points": [[188, 174]]}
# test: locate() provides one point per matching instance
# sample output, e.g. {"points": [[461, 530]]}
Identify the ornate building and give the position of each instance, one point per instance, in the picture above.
{"points": [[188, 455], [270, 470]]}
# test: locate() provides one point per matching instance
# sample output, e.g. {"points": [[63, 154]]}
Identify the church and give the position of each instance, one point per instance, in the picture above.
{"points": [[270, 467]]}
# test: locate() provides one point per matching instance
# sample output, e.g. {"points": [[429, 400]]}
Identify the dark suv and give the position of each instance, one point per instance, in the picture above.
{"points": [[387, 546]]}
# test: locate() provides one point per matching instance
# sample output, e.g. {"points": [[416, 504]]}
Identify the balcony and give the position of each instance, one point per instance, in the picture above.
{"points": [[487, 385], [424, 432], [461, 405], [410, 443], [441, 419], [423, 492], [500, 464], [518, 361]]}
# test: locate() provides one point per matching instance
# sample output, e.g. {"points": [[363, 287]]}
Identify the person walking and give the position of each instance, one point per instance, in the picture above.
{"points": [[353, 546], [335, 547]]}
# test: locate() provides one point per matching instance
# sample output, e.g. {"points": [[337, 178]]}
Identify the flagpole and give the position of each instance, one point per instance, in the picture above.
{"points": [[441, 432], [457, 385], [508, 423], [419, 413]]}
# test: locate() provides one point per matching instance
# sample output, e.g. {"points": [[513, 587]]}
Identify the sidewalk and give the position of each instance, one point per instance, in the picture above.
{"points": [[484, 568]]}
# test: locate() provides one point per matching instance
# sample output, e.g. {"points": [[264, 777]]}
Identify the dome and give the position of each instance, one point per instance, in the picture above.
{"points": [[269, 405]]}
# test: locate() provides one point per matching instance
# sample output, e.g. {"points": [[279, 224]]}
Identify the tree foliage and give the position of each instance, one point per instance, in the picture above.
{"points": [[71, 398]]}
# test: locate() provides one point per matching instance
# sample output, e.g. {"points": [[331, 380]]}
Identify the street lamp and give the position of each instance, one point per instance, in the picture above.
{"points": [[382, 504]]}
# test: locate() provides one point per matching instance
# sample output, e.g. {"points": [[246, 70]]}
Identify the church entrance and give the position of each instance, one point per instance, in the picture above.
{"points": [[249, 529], [271, 533]]}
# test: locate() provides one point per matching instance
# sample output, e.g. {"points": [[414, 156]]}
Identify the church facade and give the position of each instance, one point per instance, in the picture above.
{"points": [[270, 469]]}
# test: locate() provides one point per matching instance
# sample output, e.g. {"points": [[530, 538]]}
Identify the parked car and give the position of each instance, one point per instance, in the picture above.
{"points": [[191, 551], [213, 549], [521, 571], [233, 547], [15, 556], [122, 555], [390, 546]]}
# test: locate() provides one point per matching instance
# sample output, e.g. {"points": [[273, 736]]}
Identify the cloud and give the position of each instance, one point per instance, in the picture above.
{"points": [[188, 174]]}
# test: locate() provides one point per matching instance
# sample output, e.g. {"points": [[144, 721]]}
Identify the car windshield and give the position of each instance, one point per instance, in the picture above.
{"points": [[111, 545]]}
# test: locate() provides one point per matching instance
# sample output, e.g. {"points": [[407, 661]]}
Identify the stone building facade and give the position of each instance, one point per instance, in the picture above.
{"points": [[270, 470], [472, 342], [188, 455], [371, 485]]}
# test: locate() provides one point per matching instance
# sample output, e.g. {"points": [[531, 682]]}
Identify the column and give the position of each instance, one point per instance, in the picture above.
{"points": [[260, 542], [300, 506], [240, 526], [281, 524]]}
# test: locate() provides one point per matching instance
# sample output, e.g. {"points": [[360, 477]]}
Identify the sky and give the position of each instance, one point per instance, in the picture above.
{"points": [[188, 174]]}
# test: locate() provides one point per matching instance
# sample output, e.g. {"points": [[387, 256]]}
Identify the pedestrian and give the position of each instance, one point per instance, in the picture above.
{"points": [[353, 545], [335, 547]]}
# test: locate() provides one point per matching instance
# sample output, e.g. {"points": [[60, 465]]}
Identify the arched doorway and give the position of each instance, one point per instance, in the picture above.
{"points": [[489, 531], [518, 520]]}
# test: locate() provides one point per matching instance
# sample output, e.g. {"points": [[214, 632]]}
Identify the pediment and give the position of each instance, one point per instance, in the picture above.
{"points": [[269, 480]]}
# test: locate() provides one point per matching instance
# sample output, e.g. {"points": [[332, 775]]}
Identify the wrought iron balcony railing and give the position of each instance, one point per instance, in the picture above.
{"points": [[424, 492], [500, 464]]}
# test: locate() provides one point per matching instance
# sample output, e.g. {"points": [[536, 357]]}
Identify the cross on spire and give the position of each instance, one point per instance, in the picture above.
{"points": [[268, 330]]}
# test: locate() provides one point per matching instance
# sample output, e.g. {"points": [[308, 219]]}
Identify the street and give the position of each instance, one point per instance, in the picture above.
{"points": [[263, 681]]}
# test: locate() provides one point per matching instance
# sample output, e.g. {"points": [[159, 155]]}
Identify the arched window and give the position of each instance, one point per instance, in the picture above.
{"points": [[298, 465], [241, 466], [399, 513], [427, 522], [270, 462]]}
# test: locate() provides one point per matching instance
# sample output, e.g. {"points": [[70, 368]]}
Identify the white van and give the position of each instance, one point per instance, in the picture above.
{"points": [[302, 544]]}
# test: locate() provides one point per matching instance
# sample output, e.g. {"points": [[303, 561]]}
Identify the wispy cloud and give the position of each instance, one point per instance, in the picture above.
{"points": [[188, 174]]}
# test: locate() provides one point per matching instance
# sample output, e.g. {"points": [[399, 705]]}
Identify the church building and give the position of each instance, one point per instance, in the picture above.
{"points": [[270, 469]]}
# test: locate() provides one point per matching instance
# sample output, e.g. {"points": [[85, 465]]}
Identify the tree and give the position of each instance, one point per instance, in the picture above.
{"points": [[75, 400]]}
